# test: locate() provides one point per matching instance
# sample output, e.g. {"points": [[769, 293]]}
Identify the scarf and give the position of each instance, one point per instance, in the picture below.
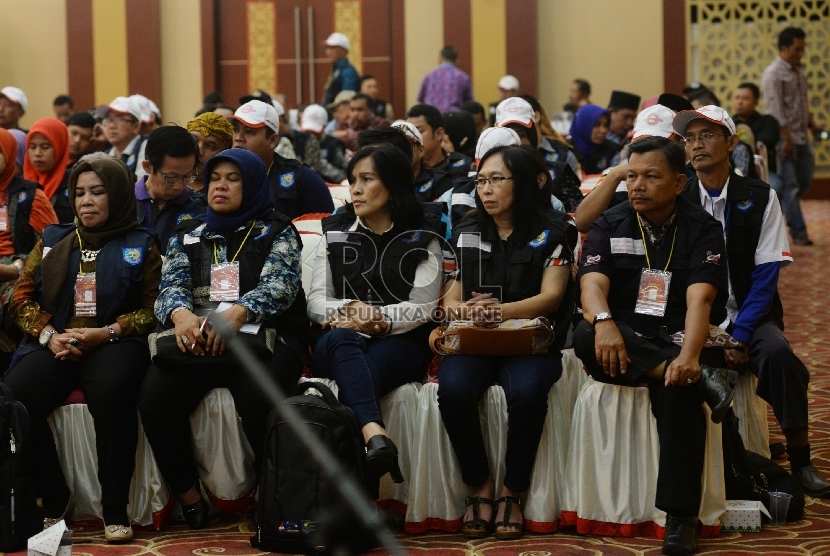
{"points": [[117, 180], [211, 123], [583, 125], [256, 191], [20, 136], [58, 136], [8, 146]]}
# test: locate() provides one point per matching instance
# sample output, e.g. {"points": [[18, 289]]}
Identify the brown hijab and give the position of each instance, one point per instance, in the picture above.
{"points": [[122, 218]]}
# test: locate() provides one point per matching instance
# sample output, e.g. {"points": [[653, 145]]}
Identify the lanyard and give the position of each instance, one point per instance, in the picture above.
{"points": [[81, 249], [645, 244], [216, 259]]}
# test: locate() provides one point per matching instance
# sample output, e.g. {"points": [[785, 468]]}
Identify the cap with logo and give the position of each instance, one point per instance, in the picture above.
{"points": [[338, 39], [493, 137], [621, 99], [654, 120], [125, 105], [514, 110], [712, 113], [509, 83], [15, 95], [258, 114], [314, 118], [342, 96], [409, 129]]}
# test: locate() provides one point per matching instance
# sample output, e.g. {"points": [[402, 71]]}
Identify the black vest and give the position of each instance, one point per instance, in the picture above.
{"points": [[330, 147], [746, 201], [21, 195], [523, 276], [292, 324], [431, 184], [285, 176], [61, 201], [170, 216]]}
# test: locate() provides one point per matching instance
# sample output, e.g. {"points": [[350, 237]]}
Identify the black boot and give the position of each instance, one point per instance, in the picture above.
{"points": [[382, 458], [716, 391], [681, 536]]}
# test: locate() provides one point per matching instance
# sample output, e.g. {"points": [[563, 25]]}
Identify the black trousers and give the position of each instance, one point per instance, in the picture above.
{"points": [[681, 420], [110, 377], [782, 377], [168, 398]]}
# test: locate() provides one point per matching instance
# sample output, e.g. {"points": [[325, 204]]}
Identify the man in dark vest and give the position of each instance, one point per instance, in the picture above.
{"points": [[651, 267], [296, 189], [757, 249], [163, 199]]}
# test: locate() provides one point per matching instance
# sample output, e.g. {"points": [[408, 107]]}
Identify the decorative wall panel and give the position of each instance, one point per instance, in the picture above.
{"points": [[729, 42], [261, 50], [347, 21]]}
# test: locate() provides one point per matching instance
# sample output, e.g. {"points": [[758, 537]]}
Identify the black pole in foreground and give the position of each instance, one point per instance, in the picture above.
{"points": [[351, 493]]}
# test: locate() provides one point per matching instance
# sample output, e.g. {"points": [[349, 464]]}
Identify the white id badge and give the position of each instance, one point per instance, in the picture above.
{"points": [[654, 293], [224, 282], [4, 219], [85, 296]]}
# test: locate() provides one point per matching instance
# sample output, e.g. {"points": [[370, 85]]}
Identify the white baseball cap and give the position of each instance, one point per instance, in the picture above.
{"points": [[654, 120], [514, 110], [125, 105], [278, 107], [712, 113], [143, 104], [15, 95], [338, 39], [154, 108], [493, 137], [509, 83], [314, 118], [409, 129], [256, 114]]}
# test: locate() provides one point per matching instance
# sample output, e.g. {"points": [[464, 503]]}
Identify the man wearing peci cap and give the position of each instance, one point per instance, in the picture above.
{"points": [[296, 189], [122, 125], [623, 108], [13, 104], [508, 87], [344, 76], [322, 153], [757, 248], [446, 87]]}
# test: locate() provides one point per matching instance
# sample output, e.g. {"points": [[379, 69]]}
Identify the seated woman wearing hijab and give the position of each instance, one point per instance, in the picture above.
{"points": [[241, 241], [589, 132], [513, 262], [375, 284], [47, 157], [85, 302], [214, 134]]}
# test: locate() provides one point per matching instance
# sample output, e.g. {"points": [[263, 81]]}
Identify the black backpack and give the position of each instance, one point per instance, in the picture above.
{"points": [[751, 476], [295, 499], [19, 517]]}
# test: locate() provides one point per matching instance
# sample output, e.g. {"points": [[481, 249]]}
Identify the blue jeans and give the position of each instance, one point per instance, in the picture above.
{"points": [[797, 177], [366, 370], [526, 380]]}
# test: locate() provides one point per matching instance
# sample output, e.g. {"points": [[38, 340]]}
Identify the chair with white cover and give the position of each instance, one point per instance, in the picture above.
{"points": [[751, 411]]}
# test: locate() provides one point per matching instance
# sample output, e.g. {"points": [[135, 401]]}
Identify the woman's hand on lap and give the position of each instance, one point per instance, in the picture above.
{"points": [[188, 326]]}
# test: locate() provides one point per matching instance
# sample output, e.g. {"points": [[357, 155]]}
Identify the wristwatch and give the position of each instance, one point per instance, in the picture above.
{"points": [[43, 339], [599, 317]]}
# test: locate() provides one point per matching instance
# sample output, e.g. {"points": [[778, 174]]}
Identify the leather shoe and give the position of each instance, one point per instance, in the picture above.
{"points": [[382, 458], [681, 536], [118, 533], [812, 482], [777, 450], [196, 515], [716, 391]]}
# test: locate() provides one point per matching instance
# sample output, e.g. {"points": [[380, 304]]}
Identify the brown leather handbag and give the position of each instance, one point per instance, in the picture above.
{"points": [[512, 337]]}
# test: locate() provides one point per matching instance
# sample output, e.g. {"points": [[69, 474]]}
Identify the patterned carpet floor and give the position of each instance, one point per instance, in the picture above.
{"points": [[803, 288]]}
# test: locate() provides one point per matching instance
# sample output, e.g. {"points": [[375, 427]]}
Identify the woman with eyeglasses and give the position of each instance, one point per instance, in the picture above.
{"points": [[513, 261], [376, 282], [85, 303], [589, 132]]}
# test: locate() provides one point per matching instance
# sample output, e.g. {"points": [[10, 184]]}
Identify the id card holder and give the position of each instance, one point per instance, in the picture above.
{"points": [[85, 295], [224, 282], [4, 219], [653, 294]]}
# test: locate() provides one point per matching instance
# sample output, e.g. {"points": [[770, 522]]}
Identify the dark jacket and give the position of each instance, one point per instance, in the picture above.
{"points": [[297, 189], [21, 195]]}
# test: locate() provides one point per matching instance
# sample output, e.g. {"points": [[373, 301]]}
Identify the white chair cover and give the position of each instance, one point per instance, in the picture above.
{"points": [[751, 411], [340, 195], [311, 239], [613, 463]]}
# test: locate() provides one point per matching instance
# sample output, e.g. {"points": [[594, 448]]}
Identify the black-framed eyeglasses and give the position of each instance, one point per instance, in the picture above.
{"points": [[705, 137], [117, 120], [186, 180], [495, 181]]}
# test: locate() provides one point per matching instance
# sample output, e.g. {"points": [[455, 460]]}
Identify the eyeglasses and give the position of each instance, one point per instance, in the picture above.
{"points": [[705, 137], [495, 181], [117, 120], [186, 180]]}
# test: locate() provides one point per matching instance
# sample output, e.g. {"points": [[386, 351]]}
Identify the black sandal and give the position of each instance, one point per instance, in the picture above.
{"points": [[505, 521], [478, 528]]}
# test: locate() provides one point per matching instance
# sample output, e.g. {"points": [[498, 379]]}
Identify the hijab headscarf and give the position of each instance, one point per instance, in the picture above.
{"points": [[211, 123], [20, 137], [117, 180], [57, 134], [256, 191], [582, 126], [8, 146]]}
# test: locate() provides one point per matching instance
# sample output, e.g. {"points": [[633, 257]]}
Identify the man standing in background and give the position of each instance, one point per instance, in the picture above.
{"points": [[447, 88], [343, 76]]}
